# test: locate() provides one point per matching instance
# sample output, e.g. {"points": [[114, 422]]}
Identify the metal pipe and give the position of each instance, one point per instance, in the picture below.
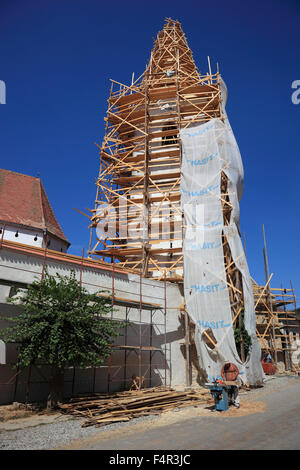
{"points": [[140, 332], [73, 381], [187, 349], [94, 378], [44, 259], [28, 385], [108, 374], [125, 352], [150, 359], [16, 384], [165, 324], [113, 287], [81, 267]]}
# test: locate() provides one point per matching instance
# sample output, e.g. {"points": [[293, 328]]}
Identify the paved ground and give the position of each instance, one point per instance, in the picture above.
{"points": [[269, 418]]}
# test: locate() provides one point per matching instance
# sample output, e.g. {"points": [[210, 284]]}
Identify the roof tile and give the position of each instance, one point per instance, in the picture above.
{"points": [[23, 201]]}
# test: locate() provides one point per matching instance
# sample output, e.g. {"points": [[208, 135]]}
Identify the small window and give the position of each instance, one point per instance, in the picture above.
{"points": [[169, 139]]}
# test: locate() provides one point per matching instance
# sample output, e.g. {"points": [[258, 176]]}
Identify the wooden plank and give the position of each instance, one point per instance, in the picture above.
{"points": [[159, 176], [126, 99]]}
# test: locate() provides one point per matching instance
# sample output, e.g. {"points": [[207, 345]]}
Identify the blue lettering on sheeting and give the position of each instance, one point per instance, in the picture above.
{"points": [[213, 223], [209, 288], [200, 131], [202, 246], [202, 192], [213, 325], [203, 161]]}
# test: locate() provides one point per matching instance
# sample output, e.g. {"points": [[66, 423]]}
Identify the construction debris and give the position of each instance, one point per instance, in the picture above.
{"points": [[102, 409]]}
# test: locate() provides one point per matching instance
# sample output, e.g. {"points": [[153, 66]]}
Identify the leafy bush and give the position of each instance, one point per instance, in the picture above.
{"points": [[62, 324]]}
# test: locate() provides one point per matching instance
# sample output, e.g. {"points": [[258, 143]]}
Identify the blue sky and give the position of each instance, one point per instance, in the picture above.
{"points": [[56, 58]]}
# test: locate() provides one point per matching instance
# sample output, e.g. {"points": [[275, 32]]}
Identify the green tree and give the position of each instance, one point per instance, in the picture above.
{"points": [[62, 325]]}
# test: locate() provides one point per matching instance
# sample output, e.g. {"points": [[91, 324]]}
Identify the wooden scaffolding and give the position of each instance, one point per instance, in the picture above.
{"points": [[140, 166], [277, 326], [137, 220]]}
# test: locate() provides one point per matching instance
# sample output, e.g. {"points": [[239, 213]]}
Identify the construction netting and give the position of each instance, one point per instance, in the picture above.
{"points": [[208, 151]]}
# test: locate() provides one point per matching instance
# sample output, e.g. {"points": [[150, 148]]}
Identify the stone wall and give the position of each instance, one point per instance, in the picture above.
{"points": [[165, 333]]}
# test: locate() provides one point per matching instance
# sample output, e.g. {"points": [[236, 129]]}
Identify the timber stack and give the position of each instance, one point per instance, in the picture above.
{"points": [[102, 409]]}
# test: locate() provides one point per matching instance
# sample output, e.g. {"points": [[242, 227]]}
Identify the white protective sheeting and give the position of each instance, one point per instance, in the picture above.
{"points": [[207, 150]]}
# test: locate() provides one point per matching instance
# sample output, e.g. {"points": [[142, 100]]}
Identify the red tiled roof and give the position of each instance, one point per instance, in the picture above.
{"points": [[23, 201]]}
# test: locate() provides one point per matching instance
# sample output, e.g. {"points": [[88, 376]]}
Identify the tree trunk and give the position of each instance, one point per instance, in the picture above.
{"points": [[56, 388]]}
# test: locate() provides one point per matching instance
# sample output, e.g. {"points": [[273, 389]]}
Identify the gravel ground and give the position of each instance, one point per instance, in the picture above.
{"points": [[62, 431], [55, 434]]}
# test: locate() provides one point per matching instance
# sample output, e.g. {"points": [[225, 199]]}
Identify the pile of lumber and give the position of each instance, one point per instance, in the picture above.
{"points": [[102, 409]]}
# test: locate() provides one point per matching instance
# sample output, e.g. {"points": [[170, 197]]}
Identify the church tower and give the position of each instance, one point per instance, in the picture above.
{"points": [[140, 166]]}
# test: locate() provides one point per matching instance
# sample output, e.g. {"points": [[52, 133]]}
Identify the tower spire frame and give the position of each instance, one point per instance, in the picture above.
{"points": [[140, 161]]}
